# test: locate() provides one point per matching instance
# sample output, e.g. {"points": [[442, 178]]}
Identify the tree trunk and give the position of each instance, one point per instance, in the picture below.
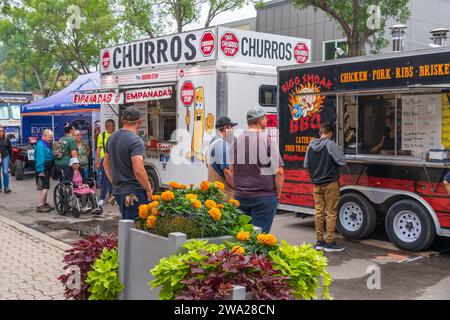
{"points": [[58, 75], [40, 83]]}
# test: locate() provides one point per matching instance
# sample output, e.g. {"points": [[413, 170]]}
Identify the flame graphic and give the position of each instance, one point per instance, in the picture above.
{"points": [[304, 100]]}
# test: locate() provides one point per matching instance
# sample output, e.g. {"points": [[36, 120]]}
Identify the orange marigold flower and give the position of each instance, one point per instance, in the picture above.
{"points": [[196, 204], [183, 186], [156, 197], [238, 250], [143, 211], [215, 214], [219, 185], [220, 206], [155, 212], [154, 204], [204, 186], [151, 222], [167, 195], [174, 185], [234, 202], [243, 235], [267, 239], [210, 204]]}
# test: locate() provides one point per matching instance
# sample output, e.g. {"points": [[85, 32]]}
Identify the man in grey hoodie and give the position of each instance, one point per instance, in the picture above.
{"points": [[322, 160]]}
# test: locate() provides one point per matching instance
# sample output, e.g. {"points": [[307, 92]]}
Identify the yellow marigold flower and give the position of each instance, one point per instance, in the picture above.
{"points": [[261, 237], [196, 204], [143, 211], [220, 206], [204, 186], [219, 185], [191, 196], [167, 195], [215, 214], [238, 249], [210, 204], [155, 212], [156, 197], [174, 185], [243, 235], [154, 204], [234, 202], [151, 222]]}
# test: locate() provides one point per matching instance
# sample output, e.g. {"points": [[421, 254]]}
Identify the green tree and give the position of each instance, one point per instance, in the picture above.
{"points": [[353, 18], [217, 7], [183, 12]]}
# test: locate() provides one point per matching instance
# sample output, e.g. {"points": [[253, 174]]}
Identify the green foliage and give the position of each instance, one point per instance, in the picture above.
{"points": [[104, 278], [216, 7], [168, 224], [352, 17], [170, 271], [304, 266]]}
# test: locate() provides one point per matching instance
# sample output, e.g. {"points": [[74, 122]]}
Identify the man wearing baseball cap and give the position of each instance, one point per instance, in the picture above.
{"points": [[124, 165], [218, 157], [258, 171]]}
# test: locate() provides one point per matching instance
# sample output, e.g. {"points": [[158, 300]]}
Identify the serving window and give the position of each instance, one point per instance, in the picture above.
{"points": [[391, 124]]}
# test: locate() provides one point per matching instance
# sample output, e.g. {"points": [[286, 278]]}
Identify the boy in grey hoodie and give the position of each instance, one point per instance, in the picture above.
{"points": [[322, 160]]}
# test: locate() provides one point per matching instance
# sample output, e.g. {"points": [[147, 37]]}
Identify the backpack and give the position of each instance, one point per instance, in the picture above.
{"points": [[57, 149]]}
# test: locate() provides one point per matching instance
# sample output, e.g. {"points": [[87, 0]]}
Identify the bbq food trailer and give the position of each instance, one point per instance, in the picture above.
{"points": [[183, 82], [392, 115]]}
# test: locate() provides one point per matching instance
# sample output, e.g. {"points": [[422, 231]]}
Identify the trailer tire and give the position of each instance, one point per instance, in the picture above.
{"points": [[19, 169], [356, 217], [409, 226], [154, 181]]}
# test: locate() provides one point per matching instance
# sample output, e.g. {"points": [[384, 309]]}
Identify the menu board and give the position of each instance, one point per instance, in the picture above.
{"points": [[445, 120], [421, 122]]}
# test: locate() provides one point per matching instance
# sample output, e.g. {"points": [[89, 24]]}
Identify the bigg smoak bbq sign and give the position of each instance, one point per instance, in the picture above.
{"points": [[178, 48]]}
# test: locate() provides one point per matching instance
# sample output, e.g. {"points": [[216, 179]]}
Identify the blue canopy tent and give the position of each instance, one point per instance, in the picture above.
{"points": [[54, 111]]}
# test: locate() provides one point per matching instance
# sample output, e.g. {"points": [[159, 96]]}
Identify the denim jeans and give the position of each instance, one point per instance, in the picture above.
{"points": [[105, 184], [261, 209], [4, 167], [131, 212]]}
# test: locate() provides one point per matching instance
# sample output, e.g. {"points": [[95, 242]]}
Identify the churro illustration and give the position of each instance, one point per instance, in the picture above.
{"points": [[199, 125]]}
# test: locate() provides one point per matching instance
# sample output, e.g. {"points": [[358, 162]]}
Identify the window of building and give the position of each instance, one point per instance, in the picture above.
{"points": [[15, 112], [335, 49], [267, 96], [4, 112]]}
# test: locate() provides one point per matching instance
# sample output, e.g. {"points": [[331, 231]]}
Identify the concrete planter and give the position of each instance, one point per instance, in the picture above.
{"points": [[140, 251]]}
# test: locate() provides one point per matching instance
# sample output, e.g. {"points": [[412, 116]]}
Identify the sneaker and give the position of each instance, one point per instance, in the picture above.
{"points": [[49, 207], [333, 247], [97, 211], [42, 209], [7, 190], [101, 202], [86, 209], [320, 245]]}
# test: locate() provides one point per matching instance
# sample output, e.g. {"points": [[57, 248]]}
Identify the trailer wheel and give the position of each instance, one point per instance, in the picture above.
{"points": [[356, 216], [154, 181], [409, 226], [18, 169]]}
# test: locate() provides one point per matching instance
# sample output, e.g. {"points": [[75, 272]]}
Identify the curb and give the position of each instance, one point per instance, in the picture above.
{"points": [[34, 233]]}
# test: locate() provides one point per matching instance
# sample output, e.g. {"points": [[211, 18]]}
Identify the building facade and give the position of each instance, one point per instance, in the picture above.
{"points": [[282, 17]]}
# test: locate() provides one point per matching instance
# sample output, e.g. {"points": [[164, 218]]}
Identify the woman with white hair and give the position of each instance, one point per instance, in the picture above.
{"points": [[83, 153]]}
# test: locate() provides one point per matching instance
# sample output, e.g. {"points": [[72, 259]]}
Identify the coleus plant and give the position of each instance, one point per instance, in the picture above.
{"points": [[79, 260]]}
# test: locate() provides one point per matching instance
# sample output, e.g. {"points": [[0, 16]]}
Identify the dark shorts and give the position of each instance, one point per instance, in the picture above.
{"points": [[42, 182], [131, 212]]}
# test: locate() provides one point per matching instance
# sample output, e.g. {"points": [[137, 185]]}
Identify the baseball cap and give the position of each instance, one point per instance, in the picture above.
{"points": [[131, 114], [74, 161], [225, 121], [255, 113]]}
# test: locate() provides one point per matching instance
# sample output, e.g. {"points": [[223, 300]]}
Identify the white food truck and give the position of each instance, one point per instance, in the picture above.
{"points": [[183, 82]]}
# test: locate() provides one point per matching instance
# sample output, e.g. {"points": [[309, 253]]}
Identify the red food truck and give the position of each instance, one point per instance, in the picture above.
{"points": [[392, 118]]}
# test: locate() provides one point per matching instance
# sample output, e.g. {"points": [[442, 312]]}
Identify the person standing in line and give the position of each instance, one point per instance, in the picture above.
{"points": [[322, 160], [102, 140], [124, 165], [219, 168], [84, 153], [258, 173], [44, 159], [64, 150], [5, 156]]}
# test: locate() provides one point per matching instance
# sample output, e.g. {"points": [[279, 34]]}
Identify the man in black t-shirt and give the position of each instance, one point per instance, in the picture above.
{"points": [[124, 165]]}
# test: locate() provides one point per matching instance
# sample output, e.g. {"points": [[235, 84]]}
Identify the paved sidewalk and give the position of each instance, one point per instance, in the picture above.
{"points": [[30, 263]]}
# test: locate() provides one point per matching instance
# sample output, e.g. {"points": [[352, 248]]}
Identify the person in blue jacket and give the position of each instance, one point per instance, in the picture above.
{"points": [[45, 161]]}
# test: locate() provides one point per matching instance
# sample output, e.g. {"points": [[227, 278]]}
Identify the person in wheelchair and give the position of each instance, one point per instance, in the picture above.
{"points": [[81, 188]]}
